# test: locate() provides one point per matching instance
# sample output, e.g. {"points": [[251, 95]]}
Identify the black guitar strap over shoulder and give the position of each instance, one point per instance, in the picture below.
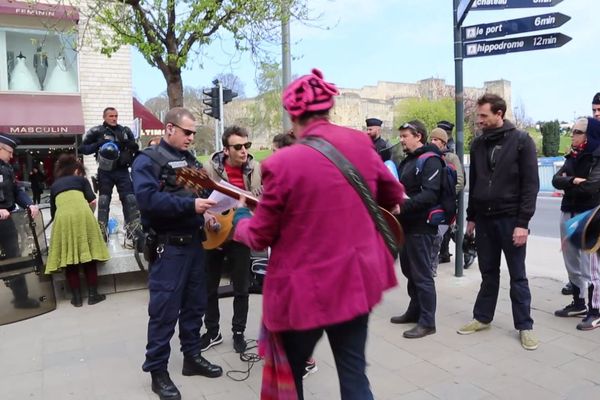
{"points": [[358, 183]]}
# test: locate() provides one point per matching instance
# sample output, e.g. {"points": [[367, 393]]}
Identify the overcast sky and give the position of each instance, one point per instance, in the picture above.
{"points": [[410, 40]]}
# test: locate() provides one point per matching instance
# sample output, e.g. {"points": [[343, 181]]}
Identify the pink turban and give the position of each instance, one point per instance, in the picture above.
{"points": [[309, 93]]}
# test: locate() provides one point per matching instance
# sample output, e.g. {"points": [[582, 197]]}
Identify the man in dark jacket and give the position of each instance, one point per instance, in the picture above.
{"points": [[504, 184], [423, 189], [381, 145]]}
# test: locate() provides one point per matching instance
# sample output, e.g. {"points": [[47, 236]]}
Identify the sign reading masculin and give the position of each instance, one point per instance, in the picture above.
{"points": [[524, 43], [513, 26], [483, 5]]}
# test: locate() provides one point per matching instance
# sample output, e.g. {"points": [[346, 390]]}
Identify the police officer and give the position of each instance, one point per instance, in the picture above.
{"points": [[114, 160], [381, 145], [173, 218], [10, 196]]}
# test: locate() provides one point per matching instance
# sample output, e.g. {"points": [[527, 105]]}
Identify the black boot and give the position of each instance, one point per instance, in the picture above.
{"points": [[95, 297], [76, 299], [198, 365], [163, 386]]}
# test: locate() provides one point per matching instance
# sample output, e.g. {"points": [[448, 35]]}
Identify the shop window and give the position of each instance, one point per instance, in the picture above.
{"points": [[33, 60]]}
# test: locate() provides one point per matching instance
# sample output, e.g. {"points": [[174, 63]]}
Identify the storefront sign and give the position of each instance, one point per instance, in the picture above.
{"points": [[40, 10], [42, 130]]}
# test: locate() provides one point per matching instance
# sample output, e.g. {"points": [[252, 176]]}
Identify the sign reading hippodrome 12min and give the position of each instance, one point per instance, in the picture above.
{"points": [[474, 46]]}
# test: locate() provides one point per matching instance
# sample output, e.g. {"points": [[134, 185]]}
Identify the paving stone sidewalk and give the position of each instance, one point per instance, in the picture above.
{"points": [[95, 352]]}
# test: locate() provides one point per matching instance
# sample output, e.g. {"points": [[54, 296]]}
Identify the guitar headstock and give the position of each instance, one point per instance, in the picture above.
{"points": [[194, 179]]}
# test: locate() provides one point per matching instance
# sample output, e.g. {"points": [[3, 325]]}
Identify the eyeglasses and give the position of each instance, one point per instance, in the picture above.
{"points": [[239, 146], [9, 150], [186, 132]]}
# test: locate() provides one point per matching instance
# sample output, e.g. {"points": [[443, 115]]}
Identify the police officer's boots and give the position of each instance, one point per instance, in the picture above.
{"points": [[76, 299], [95, 297], [198, 365], [163, 386]]}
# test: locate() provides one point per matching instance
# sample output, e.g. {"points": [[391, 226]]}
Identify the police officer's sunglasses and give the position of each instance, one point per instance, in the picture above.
{"points": [[239, 146], [186, 132]]}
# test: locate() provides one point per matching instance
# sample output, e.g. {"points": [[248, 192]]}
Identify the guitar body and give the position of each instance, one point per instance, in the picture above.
{"points": [[216, 238], [394, 226]]}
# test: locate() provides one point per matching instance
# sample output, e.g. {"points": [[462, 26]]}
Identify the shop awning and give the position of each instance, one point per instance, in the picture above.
{"points": [[23, 114], [149, 120], [37, 9]]}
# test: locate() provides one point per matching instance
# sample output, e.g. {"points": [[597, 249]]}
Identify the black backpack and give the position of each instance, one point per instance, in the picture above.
{"points": [[443, 213]]}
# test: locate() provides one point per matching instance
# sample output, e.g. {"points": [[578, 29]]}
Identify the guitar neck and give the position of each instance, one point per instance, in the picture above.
{"points": [[251, 201]]}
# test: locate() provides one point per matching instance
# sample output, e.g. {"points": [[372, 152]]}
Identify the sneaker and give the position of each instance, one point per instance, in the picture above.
{"points": [[310, 368], [572, 310], [567, 290], [528, 339], [472, 327], [590, 322], [206, 341], [239, 342]]}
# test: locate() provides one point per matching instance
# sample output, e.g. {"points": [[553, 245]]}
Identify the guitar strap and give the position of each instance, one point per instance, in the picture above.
{"points": [[358, 183]]}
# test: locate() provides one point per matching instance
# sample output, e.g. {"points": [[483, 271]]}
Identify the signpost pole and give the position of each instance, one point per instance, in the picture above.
{"points": [[460, 112]]}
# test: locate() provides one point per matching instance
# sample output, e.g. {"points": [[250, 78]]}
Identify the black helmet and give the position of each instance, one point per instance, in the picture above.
{"points": [[109, 151], [469, 250]]}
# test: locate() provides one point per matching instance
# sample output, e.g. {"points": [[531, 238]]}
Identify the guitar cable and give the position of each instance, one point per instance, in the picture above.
{"points": [[250, 358]]}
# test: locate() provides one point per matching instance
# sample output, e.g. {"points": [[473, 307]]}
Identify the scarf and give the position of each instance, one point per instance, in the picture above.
{"points": [[577, 150]]}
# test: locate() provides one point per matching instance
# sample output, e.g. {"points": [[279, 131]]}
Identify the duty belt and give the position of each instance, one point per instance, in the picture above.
{"points": [[175, 240]]}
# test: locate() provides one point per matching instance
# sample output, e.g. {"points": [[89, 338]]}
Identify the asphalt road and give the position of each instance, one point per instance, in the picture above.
{"points": [[546, 219]]}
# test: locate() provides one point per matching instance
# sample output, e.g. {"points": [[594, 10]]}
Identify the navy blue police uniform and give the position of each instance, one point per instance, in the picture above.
{"points": [[113, 173], [12, 195], [177, 278]]}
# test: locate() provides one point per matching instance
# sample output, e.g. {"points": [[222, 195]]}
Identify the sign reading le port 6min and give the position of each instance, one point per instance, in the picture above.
{"points": [[510, 27]]}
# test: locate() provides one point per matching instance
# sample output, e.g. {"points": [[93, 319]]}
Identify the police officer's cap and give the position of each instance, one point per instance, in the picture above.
{"points": [[8, 140], [374, 122]]}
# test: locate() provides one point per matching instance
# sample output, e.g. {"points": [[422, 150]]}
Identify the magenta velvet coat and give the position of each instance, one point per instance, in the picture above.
{"points": [[328, 264]]}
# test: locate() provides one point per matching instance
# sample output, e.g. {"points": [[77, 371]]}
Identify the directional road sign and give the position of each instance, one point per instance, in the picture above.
{"points": [[513, 26], [483, 5], [513, 45]]}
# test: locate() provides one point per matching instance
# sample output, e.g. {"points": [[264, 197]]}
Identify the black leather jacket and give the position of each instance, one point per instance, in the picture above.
{"points": [[121, 135]]}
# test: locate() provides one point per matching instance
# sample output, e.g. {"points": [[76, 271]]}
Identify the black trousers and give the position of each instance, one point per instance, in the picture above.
{"points": [[347, 341], [238, 257], [415, 262], [494, 237]]}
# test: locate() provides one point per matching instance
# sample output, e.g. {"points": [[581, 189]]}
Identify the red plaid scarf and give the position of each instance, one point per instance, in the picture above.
{"points": [[577, 150], [278, 380]]}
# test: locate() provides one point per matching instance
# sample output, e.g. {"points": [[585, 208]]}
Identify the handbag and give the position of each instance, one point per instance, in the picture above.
{"points": [[358, 183]]}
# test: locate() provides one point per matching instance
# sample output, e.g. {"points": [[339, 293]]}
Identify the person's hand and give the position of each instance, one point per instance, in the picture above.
{"points": [[577, 181], [35, 211], [396, 209], [211, 223], [201, 205], [258, 191], [242, 201], [470, 228], [4, 214], [520, 236]]}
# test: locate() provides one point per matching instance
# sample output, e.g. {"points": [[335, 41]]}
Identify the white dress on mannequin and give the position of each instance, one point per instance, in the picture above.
{"points": [[21, 78], [60, 79]]}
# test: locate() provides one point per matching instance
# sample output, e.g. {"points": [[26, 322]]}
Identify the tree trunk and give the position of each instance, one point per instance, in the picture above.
{"points": [[174, 87]]}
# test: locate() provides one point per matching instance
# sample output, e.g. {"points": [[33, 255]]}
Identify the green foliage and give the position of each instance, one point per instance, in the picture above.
{"points": [[266, 111], [550, 138], [427, 111]]}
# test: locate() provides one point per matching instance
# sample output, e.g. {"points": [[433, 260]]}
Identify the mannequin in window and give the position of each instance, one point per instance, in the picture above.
{"points": [[40, 63], [60, 78], [22, 79]]}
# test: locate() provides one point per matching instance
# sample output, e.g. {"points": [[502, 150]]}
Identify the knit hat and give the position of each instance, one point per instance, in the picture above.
{"points": [[580, 125], [309, 93], [439, 133]]}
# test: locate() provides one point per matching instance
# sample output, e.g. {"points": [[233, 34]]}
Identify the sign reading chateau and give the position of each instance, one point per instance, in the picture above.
{"points": [[482, 5]]}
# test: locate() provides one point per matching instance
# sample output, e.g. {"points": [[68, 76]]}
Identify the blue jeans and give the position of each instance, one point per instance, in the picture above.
{"points": [[347, 340]]}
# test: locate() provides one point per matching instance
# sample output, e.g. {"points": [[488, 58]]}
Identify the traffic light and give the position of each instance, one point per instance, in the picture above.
{"points": [[212, 100], [228, 95]]}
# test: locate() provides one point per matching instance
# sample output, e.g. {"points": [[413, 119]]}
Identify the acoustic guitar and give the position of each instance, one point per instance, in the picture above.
{"points": [[198, 179]]}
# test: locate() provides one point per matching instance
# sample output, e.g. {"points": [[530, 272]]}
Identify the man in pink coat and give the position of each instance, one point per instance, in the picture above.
{"points": [[329, 264]]}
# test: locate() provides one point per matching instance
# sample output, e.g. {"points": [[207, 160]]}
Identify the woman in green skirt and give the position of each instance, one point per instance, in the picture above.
{"points": [[76, 239]]}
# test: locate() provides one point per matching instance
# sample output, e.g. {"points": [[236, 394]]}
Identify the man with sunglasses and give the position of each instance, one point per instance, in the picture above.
{"points": [[113, 166], [235, 165], [173, 219]]}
